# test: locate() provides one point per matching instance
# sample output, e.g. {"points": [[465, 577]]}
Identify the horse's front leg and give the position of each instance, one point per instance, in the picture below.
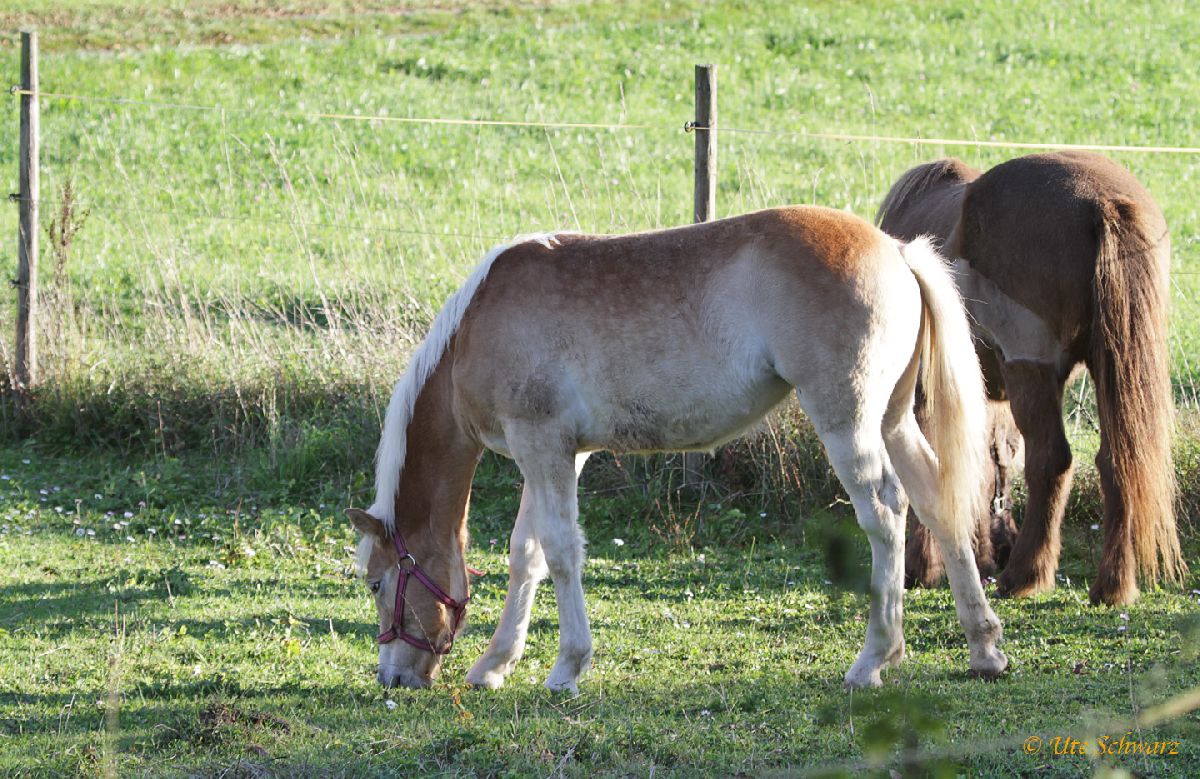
{"points": [[526, 567], [551, 477]]}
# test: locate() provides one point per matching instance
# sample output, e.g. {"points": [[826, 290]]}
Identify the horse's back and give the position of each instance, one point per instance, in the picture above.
{"points": [[670, 339], [1032, 226]]}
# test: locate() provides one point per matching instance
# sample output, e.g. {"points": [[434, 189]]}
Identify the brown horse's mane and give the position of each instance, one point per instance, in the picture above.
{"points": [[923, 177]]}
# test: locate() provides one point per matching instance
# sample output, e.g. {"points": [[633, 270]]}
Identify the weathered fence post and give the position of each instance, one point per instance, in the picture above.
{"points": [[705, 193], [25, 369]]}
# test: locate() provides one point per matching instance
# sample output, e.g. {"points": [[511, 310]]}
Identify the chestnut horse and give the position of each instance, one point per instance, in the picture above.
{"points": [[680, 339], [1062, 260]]}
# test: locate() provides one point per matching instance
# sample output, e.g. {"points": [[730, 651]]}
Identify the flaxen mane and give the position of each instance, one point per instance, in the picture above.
{"points": [[389, 458]]}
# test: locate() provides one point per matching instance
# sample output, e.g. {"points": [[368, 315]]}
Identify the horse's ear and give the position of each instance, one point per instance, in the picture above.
{"points": [[366, 524]]}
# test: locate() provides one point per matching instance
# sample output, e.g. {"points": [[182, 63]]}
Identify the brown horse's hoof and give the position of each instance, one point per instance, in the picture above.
{"points": [[1013, 585], [1110, 593], [924, 577]]}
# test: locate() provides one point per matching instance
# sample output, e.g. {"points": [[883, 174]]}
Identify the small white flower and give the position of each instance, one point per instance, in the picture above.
{"points": [[58, 509], [98, 496], [391, 704], [705, 713], [1095, 527], [1121, 628], [151, 531], [43, 492], [763, 514], [6, 477], [128, 515], [1124, 616], [25, 461], [116, 526], [91, 532], [618, 542], [79, 531]]}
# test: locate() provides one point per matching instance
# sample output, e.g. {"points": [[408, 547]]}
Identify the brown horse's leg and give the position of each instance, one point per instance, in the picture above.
{"points": [[1035, 395], [922, 556], [1116, 584], [1005, 448]]}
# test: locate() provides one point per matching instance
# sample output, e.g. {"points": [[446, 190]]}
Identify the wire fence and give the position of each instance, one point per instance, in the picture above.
{"points": [[114, 206], [449, 232]]}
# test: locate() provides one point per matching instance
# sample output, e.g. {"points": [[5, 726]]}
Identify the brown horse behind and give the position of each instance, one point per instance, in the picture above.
{"points": [[1063, 261]]}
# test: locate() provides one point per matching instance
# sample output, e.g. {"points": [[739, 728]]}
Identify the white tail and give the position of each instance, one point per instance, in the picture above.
{"points": [[953, 386]]}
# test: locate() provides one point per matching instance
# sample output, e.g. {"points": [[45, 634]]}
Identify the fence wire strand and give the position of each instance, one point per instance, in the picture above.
{"points": [[687, 127]]}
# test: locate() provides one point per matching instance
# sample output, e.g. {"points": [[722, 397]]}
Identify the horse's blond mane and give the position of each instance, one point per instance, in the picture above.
{"points": [[389, 458]]}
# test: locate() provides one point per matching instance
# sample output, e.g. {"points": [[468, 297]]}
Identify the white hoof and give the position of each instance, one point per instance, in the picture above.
{"points": [[989, 663], [486, 679], [861, 679], [567, 687]]}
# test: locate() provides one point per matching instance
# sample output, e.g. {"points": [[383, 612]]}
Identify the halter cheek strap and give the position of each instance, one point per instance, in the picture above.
{"points": [[409, 569]]}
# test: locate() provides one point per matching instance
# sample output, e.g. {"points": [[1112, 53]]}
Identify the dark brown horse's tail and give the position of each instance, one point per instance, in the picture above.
{"points": [[1131, 368]]}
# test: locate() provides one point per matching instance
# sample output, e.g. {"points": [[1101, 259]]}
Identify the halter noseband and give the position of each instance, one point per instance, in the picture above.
{"points": [[397, 629]]}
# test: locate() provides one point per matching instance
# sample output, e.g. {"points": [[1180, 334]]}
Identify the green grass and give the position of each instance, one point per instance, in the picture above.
{"points": [[210, 637], [249, 281], [211, 233]]}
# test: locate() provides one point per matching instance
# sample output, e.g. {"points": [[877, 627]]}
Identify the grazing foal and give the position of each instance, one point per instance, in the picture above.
{"points": [[558, 346]]}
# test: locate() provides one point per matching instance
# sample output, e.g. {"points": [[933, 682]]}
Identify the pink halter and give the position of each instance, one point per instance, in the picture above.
{"points": [[397, 628]]}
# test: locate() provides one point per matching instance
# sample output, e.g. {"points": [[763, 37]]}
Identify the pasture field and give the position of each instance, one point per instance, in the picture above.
{"points": [[244, 275]]}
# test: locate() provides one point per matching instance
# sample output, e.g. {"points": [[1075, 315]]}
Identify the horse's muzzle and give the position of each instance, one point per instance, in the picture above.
{"points": [[391, 676]]}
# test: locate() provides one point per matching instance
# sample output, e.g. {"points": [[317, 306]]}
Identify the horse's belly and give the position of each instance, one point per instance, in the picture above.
{"points": [[681, 418]]}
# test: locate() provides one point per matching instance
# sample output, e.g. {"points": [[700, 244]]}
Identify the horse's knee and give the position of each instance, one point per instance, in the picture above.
{"points": [[525, 555], [562, 548]]}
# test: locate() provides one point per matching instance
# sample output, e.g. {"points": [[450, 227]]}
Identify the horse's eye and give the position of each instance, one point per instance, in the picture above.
{"points": [[375, 586]]}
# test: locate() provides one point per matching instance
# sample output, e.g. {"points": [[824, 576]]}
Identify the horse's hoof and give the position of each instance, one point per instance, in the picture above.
{"points": [[487, 680], [1013, 586], [862, 680], [1111, 594], [991, 666], [563, 688]]}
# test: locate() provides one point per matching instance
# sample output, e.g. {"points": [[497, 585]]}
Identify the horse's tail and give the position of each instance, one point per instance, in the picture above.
{"points": [[1131, 370], [955, 401]]}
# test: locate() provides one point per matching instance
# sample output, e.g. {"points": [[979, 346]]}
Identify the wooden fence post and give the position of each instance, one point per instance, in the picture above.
{"points": [[25, 369], [705, 194]]}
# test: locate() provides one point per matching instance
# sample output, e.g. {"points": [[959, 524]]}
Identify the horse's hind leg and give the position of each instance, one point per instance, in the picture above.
{"points": [[862, 466], [1035, 396], [1116, 582], [917, 468], [526, 567]]}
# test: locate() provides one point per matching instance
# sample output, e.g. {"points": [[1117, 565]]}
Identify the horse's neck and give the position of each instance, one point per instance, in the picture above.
{"points": [[439, 462]]}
